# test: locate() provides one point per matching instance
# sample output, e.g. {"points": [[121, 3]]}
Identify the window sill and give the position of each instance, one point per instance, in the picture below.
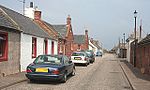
{"points": [[3, 59]]}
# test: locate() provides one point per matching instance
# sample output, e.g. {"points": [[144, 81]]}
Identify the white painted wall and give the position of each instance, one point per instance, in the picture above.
{"points": [[29, 12], [26, 51], [49, 46], [129, 50], [94, 48], [55, 47], [40, 45], [90, 47]]}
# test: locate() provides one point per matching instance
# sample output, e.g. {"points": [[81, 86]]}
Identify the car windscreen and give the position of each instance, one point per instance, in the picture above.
{"points": [[47, 59], [78, 54]]}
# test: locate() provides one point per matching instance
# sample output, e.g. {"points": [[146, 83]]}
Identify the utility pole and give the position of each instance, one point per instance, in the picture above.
{"points": [[23, 6]]}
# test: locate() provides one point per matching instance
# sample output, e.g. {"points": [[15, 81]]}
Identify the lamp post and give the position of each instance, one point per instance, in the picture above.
{"points": [[135, 16], [124, 46], [124, 39]]}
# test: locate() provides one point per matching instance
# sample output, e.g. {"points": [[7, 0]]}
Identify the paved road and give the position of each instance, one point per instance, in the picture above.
{"points": [[104, 74]]}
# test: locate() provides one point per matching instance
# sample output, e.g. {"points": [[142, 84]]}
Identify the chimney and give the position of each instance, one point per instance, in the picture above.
{"points": [[37, 14], [68, 20], [86, 39], [86, 32], [31, 4], [91, 40]]}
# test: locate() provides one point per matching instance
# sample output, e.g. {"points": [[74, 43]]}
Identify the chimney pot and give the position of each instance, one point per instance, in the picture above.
{"points": [[37, 15], [68, 20], [31, 4]]}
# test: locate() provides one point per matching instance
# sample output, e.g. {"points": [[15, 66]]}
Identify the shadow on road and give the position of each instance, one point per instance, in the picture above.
{"points": [[48, 81]]}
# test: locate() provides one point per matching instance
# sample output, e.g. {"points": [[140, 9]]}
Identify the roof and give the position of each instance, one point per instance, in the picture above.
{"points": [[24, 23], [146, 40], [61, 29], [53, 29], [5, 21], [96, 43], [79, 39]]}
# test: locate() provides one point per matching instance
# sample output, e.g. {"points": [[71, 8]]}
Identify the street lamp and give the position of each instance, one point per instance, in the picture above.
{"points": [[124, 39], [135, 16]]}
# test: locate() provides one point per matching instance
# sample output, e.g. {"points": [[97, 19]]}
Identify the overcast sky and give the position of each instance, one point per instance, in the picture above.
{"points": [[106, 20]]}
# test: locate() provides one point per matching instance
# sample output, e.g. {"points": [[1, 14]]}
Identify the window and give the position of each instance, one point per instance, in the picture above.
{"points": [[3, 46], [66, 60], [52, 48], [45, 46], [79, 47], [34, 47]]}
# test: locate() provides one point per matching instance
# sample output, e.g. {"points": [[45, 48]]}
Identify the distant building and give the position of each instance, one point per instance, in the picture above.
{"points": [[81, 42], [65, 42], [95, 46]]}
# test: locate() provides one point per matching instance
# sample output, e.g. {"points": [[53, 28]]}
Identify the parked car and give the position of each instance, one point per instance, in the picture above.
{"points": [[50, 67], [99, 54], [80, 57], [91, 55]]}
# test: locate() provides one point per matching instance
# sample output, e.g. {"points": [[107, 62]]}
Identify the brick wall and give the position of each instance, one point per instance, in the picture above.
{"points": [[142, 57], [69, 41]]}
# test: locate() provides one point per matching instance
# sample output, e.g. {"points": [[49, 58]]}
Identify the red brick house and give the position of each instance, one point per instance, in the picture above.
{"points": [[65, 40], [81, 42]]}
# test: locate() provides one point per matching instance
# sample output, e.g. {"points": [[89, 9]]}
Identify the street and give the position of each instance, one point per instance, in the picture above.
{"points": [[104, 74]]}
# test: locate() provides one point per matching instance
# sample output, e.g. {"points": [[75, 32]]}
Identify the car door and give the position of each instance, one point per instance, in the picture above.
{"points": [[69, 66]]}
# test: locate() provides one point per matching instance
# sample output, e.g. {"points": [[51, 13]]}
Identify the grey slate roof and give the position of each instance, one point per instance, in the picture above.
{"points": [[61, 29], [25, 24], [51, 26], [6, 22], [79, 39], [146, 40]]}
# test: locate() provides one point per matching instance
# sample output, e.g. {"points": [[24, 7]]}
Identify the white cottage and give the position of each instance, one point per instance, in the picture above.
{"points": [[94, 45], [34, 40]]}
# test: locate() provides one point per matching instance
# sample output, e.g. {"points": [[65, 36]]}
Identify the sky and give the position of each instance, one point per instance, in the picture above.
{"points": [[106, 20]]}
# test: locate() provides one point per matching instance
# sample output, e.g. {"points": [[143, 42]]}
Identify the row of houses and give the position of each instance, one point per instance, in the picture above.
{"points": [[137, 51], [23, 38]]}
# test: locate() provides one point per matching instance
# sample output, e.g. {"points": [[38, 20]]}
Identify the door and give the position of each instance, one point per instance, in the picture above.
{"points": [[52, 50]]}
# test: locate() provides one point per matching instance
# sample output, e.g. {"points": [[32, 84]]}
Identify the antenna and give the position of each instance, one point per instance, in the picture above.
{"points": [[24, 7], [23, 2]]}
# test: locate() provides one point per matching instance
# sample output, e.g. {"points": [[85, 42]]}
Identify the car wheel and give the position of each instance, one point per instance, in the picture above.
{"points": [[64, 79], [73, 73], [86, 64], [31, 80]]}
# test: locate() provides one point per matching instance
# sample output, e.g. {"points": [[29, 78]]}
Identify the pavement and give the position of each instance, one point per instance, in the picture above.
{"points": [[12, 79], [137, 80]]}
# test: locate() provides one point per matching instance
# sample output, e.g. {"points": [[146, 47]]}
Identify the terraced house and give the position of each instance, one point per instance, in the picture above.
{"points": [[22, 40], [62, 32], [65, 41]]}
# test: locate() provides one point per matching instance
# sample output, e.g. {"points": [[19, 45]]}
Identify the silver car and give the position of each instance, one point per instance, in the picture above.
{"points": [[80, 57]]}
